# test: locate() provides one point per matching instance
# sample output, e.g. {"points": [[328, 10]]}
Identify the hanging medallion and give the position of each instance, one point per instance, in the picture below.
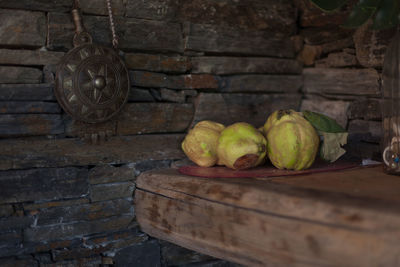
{"points": [[92, 81]]}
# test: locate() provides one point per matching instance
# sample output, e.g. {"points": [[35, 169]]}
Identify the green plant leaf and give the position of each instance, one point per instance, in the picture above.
{"points": [[387, 15], [358, 17], [323, 123], [361, 13], [368, 3], [329, 5], [331, 148]]}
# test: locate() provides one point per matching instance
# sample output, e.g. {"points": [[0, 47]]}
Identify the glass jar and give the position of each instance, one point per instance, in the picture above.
{"points": [[391, 107]]}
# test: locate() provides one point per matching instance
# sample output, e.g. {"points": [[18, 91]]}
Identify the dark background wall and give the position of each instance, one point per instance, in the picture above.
{"points": [[66, 202], [342, 74]]}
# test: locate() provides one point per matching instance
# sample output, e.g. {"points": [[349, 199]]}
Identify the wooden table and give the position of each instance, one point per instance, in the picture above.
{"points": [[343, 218]]}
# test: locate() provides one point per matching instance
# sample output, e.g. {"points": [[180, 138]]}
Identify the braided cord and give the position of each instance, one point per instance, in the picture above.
{"points": [[112, 25]]}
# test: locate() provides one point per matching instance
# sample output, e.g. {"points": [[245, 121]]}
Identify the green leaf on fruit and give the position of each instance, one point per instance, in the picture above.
{"points": [[329, 5], [387, 15], [359, 15], [323, 123], [331, 149]]}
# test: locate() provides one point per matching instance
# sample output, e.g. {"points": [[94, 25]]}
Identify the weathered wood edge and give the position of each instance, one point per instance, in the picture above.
{"points": [[321, 207], [256, 239], [208, 249]]}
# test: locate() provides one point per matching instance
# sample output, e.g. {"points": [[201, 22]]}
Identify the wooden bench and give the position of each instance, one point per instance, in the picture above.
{"points": [[343, 218]]}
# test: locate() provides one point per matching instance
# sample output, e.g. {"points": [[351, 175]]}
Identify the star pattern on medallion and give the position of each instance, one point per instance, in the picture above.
{"points": [[98, 81]]}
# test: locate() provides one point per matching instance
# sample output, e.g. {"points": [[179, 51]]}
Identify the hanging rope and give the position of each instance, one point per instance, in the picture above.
{"points": [[112, 25]]}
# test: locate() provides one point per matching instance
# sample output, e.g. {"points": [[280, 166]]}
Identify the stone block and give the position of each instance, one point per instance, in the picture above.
{"points": [[150, 35], [312, 16], [32, 207], [84, 212], [140, 118], [14, 222], [77, 254], [27, 92], [103, 239], [59, 5], [157, 63], [149, 79], [10, 239], [196, 81], [147, 165], [188, 81], [240, 65], [143, 254], [137, 34], [174, 255], [217, 39], [178, 96], [99, 7], [337, 45], [351, 51], [273, 17], [258, 83], [47, 246], [103, 192], [6, 210], [29, 57], [140, 95], [72, 230], [49, 74], [337, 110], [367, 131], [103, 174], [328, 34], [155, 92], [10, 74], [251, 108], [309, 54], [15, 107], [94, 261], [77, 128], [25, 153], [298, 42], [365, 109], [30, 124], [43, 184], [22, 28], [13, 262], [165, 10], [363, 150], [102, 243], [363, 82], [337, 60], [179, 163], [371, 45], [43, 258]]}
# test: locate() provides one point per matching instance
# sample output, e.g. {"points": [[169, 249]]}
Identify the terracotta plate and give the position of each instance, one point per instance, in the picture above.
{"points": [[264, 171]]}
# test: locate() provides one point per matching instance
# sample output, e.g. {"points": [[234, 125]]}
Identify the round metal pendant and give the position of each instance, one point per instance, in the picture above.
{"points": [[92, 83]]}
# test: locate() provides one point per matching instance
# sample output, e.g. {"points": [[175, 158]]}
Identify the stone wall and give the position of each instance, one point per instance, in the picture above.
{"points": [[67, 187], [342, 74]]}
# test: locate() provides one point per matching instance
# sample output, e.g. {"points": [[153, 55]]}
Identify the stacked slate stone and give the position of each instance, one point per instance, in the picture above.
{"points": [[342, 74], [66, 202]]}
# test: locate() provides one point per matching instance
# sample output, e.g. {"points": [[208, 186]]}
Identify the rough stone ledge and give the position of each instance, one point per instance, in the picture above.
{"points": [[25, 153]]}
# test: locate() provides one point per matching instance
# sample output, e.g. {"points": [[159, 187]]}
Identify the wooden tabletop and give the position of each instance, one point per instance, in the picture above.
{"points": [[343, 218]]}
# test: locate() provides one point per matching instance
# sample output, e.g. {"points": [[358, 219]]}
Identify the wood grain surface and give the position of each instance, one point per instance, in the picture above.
{"points": [[344, 218]]}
